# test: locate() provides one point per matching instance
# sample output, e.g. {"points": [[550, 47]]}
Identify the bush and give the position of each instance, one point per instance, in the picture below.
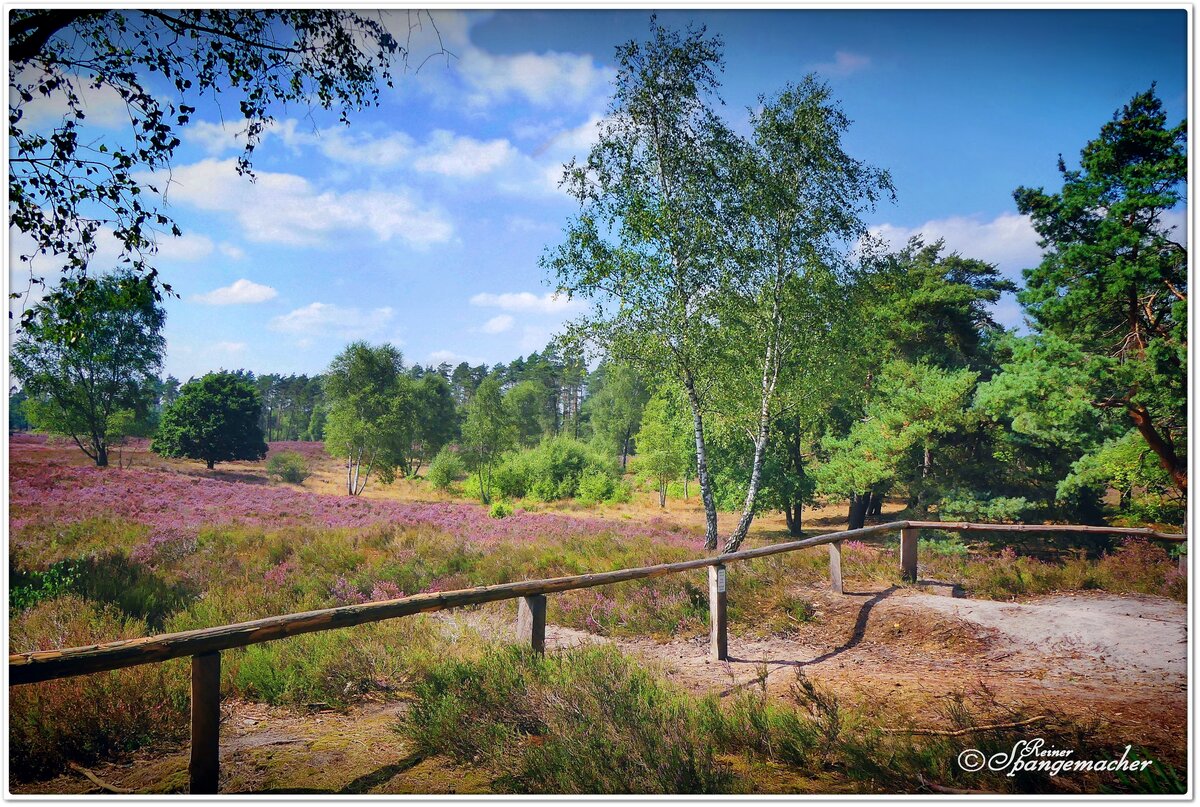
{"points": [[595, 486], [554, 470], [951, 545], [290, 466], [622, 492], [27, 589], [500, 510], [447, 467]]}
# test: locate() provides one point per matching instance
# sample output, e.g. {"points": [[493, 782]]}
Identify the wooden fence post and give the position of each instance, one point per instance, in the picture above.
{"points": [[718, 640], [835, 567], [531, 622], [908, 554], [204, 767]]}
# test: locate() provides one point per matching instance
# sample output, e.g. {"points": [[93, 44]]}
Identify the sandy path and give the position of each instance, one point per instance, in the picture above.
{"points": [[1117, 663]]}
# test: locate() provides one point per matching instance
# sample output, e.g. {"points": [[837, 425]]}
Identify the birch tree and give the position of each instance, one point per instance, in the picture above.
{"points": [[690, 239], [366, 422], [646, 247], [799, 200]]}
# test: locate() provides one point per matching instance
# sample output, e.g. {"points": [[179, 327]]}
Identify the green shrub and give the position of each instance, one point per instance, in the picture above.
{"points": [[622, 492], [554, 470], [595, 487], [290, 466], [500, 510], [447, 467], [27, 589], [951, 545]]}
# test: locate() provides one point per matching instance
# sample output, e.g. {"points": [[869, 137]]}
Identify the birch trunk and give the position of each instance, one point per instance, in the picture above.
{"points": [[710, 506], [770, 376]]}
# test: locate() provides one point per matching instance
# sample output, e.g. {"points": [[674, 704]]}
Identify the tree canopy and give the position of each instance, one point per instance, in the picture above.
{"points": [[1113, 277], [369, 412], [89, 353], [695, 244], [215, 419]]}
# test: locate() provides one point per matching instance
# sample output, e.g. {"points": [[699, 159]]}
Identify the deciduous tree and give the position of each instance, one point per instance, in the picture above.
{"points": [[91, 349], [215, 419], [368, 419], [487, 432]]}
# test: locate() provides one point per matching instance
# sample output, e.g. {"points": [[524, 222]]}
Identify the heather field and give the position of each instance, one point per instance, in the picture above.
{"points": [[99, 554]]}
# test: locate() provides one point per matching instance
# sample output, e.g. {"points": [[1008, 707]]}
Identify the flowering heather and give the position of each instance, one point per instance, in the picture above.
{"points": [[165, 545], [278, 574], [170, 503]]}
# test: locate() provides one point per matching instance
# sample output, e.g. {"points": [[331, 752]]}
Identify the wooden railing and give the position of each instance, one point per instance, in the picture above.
{"points": [[204, 645]]}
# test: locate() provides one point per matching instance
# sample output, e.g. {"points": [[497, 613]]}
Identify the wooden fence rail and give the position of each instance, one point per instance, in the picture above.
{"points": [[204, 645]]}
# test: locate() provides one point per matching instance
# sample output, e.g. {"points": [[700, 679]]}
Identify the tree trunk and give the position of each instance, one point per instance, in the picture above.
{"points": [[662, 493], [876, 508], [211, 464], [102, 456], [743, 526], [859, 502], [792, 514], [624, 452], [1167, 457], [710, 506]]}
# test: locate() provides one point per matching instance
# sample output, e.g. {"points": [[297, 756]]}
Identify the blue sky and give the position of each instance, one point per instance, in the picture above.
{"points": [[422, 223]]}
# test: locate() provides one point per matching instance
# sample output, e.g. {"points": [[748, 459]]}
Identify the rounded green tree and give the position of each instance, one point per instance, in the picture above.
{"points": [[215, 419]]}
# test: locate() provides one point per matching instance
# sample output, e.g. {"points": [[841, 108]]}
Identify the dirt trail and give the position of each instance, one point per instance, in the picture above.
{"points": [[1118, 663]]}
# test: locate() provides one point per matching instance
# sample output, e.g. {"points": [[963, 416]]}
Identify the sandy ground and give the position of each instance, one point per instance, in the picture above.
{"points": [[1116, 663]]}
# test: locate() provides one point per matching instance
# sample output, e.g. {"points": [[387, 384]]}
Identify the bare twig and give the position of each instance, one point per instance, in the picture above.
{"points": [[97, 781], [968, 730]]}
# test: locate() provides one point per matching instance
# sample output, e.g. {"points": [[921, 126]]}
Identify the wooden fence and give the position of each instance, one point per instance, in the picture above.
{"points": [[204, 645]]}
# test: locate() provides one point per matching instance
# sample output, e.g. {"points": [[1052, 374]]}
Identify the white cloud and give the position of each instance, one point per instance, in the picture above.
{"points": [[457, 156], [498, 324], [231, 251], [844, 63], [230, 347], [1176, 221], [103, 106], [241, 291], [450, 357], [534, 337], [214, 138], [287, 209], [187, 247], [333, 320], [339, 144], [543, 79], [1009, 240], [549, 303]]}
